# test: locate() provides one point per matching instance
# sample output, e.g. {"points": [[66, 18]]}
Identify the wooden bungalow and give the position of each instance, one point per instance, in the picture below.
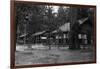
{"points": [[86, 31], [60, 35], [30, 38]]}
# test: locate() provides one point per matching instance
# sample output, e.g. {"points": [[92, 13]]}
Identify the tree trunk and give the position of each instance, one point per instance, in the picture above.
{"points": [[74, 43]]}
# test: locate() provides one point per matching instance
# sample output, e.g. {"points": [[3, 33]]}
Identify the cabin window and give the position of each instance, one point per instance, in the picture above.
{"points": [[57, 37], [64, 35], [43, 37], [80, 36], [83, 37]]}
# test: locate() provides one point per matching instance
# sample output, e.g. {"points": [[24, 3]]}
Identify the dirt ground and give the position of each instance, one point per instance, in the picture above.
{"points": [[45, 56]]}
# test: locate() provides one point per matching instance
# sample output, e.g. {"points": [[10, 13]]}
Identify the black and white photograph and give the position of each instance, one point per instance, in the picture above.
{"points": [[54, 34]]}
